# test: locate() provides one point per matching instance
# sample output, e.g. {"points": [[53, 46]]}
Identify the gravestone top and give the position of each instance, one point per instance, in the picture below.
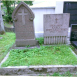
{"points": [[23, 19], [56, 24], [31, 17], [56, 28]]}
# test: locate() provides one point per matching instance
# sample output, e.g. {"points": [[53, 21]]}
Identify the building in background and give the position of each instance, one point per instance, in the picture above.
{"points": [[41, 7], [44, 7]]}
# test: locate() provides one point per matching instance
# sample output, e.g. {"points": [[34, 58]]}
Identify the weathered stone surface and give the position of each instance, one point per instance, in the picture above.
{"points": [[56, 28], [23, 18], [2, 30], [38, 70]]}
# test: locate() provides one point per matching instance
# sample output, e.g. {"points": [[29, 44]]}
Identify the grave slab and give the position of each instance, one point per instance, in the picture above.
{"points": [[56, 28], [23, 19]]}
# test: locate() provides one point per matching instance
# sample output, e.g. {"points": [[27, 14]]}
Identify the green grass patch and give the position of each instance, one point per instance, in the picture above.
{"points": [[61, 75], [6, 42], [65, 74], [45, 55], [40, 40]]}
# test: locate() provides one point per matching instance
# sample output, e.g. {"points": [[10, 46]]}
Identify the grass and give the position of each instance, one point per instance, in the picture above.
{"points": [[5, 43], [40, 40], [45, 55], [63, 75]]}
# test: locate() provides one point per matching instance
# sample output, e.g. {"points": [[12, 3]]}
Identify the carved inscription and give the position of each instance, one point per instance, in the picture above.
{"points": [[56, 20], [56, 28]]}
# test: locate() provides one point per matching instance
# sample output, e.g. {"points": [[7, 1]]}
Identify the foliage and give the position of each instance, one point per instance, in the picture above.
{"points": [[8, 17], [45, 55], [27, 2], [65, 74], [9, 8], [28, 46], [5, 43], [40, 40], [72, 47]]}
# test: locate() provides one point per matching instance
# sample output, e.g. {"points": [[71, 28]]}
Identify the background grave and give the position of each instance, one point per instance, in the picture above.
{"points": [[56, 28], [73, 36]]}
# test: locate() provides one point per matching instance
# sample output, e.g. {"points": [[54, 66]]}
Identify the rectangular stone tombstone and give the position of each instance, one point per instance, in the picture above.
{"points": [[56, 28], [23, 20], [73, 35]]}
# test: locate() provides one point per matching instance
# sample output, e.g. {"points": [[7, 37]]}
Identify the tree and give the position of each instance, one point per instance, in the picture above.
{"points": [[27, 2], [2, 31], [9, 11]]}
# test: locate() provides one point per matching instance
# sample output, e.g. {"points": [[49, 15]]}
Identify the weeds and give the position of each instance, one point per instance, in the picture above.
{"points": [[6, 42], [41, 56], [40, 40]]}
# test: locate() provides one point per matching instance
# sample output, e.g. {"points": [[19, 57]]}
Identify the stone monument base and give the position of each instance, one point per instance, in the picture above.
{"points": [[49, 40], [23, 42]]}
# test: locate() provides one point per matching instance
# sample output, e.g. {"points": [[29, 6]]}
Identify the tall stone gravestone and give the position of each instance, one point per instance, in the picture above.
{"points": [[23, 19], [73, 35], [2, 30], [56, 28]]}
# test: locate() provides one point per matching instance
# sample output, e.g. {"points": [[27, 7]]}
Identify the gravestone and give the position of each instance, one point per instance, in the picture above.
{"points": [[73, 35], [71, 7], [56, 28], [2, 30], [23, 20]]}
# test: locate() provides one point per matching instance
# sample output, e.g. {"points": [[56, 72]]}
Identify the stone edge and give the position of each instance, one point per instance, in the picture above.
{"points": [[38, 70]]}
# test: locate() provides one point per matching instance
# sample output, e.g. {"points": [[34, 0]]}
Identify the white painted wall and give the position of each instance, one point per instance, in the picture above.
{"points": [[59, 10], [38, 21], [40, 11], [59, 7]]}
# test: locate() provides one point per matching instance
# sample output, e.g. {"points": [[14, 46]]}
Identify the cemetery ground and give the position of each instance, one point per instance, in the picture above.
{"points": [[6, 41], [45, 55]]}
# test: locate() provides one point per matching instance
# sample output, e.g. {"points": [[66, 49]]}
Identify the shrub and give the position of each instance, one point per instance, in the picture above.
{"points": [[40, 40]]}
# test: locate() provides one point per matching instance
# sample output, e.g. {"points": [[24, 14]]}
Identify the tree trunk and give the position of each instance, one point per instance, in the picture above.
{"points": [[2, 30]]}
